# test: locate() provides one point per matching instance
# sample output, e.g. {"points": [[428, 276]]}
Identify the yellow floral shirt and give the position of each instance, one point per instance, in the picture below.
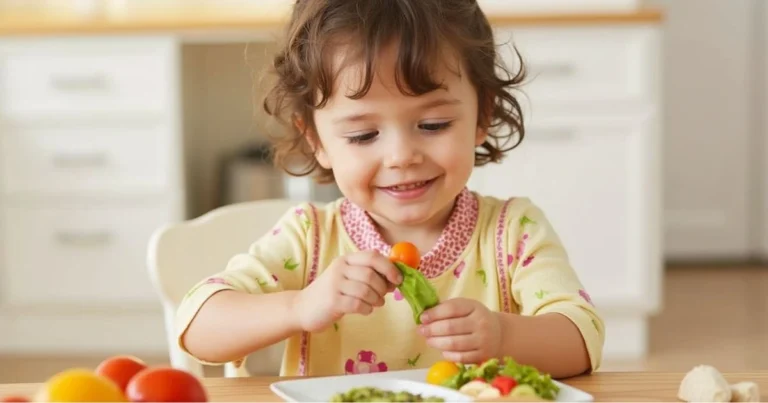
{"points": [[503, 253]]}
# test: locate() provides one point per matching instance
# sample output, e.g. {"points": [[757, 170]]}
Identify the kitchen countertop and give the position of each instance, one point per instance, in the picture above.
{"points": [[211, 19]]}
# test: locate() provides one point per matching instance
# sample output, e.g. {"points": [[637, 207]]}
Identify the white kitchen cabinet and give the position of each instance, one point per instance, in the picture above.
{"points": [[94, 160], [591, 160], [91, 164], [86, 77], [93, 253]]}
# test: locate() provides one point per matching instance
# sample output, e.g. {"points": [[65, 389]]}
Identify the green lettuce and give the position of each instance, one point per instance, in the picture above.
{"points": [[417, 290]]}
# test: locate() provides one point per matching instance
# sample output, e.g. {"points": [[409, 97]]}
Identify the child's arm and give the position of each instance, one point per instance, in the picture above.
{"points": [[232, 325], [248, 306], [549, 342], [558, 330]]}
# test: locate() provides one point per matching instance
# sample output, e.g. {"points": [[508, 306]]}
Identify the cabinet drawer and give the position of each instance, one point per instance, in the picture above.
{"points": [[584, 67], [48, 160], [596, 184], [79, 255], [41, 79]]}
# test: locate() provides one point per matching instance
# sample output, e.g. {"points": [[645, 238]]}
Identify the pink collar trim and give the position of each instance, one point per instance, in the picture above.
{"points": [[449, 247]]}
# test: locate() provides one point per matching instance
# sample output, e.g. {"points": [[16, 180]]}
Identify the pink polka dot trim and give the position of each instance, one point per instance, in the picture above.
{"points": [[449, 247], [304, 341]]}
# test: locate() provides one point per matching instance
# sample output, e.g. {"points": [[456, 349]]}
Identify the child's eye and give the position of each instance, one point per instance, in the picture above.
{"points": [[435, 127], [363, 138]]}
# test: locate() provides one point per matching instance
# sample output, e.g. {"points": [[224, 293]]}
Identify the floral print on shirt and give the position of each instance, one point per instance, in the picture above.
{"points": [[481, 273], [365, 363], [290, 264]]}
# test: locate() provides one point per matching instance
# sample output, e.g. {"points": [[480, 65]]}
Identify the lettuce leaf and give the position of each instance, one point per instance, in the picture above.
{"points": [[417, 290]]}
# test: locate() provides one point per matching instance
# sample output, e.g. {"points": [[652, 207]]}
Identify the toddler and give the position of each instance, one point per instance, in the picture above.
{"points": [[396, 102]]}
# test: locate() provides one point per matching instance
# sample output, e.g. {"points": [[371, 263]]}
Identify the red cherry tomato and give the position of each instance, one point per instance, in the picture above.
{"points": [[162, 384], [405, 252], [120, 369], [14, 399]]}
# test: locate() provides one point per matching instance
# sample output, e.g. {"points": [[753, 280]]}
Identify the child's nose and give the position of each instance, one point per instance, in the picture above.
{"points": [[404, 151]]}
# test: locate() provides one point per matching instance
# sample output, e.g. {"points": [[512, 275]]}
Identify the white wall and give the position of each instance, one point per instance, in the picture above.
{"points": [[711, 182]]}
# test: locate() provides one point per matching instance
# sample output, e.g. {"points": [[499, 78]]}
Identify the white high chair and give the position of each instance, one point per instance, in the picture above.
{"points": [[184, 253]]}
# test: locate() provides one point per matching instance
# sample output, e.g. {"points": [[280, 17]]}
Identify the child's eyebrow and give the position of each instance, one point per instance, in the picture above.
{"points": [[353, 118], [426, 105], [440, 102]]}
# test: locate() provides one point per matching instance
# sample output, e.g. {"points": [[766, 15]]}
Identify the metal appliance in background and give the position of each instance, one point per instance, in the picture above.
{"points": [[249, 174]]}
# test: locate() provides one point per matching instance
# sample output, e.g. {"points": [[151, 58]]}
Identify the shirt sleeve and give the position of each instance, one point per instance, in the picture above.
{"points": [[544, 281], [275, 262]]}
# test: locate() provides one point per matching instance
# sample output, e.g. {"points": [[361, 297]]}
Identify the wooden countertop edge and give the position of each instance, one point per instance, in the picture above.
{"points": [[21, 25]]}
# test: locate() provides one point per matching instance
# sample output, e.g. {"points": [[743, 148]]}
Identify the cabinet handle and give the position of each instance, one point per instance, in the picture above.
{"points": [[554, 134], [93, 83], [83, 238], [81, 160]]}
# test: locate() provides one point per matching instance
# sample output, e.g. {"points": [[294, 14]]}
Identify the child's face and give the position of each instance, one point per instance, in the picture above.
{"points": [[378, 144]]}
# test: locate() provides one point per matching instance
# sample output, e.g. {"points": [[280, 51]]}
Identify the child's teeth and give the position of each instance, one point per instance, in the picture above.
{"points": [[409, 186]]}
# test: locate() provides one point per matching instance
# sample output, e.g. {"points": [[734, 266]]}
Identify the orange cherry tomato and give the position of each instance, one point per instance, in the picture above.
{"points": [[405, 252], [120, 369], [164, 384]]}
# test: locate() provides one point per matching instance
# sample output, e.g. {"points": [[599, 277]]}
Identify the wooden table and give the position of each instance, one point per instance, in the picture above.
{"points": [[618, 386]]}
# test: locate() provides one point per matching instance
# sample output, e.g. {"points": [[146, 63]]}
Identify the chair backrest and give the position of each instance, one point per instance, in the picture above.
{"points": [[182, 254]]}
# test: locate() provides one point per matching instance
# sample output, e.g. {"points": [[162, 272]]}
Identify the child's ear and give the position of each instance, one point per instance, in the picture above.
{"points": [[313, 141], [484, 120], [322, 157], [480, 135]]}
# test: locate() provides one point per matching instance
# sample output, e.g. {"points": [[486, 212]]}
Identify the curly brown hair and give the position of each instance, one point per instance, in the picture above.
{"points": [[305, 76]]}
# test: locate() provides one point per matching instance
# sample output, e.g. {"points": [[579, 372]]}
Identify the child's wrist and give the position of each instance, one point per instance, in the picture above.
{"points": [[294, 312], [509, 325]]}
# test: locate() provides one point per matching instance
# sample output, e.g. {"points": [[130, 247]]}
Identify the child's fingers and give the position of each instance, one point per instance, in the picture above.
{"points": [[452, 308], [458, 344], [354, 305], [447, 327], [464, 357], [361, 291], [378, 262], [366, 275]]}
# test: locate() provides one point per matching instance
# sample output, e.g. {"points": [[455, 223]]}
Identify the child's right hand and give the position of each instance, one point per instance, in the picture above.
{"points": [[355, 283]]}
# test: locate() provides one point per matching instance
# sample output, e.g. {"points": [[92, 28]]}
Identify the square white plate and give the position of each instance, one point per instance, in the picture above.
{"points": [[323, 388]]}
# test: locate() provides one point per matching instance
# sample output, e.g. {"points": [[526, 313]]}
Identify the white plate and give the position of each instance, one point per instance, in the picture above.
{"points": [[323, 388]]}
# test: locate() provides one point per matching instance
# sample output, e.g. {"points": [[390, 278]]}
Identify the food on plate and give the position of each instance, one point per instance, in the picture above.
{"points": [[480, 389], [79, 385], [440, 371], [523, 391], [415, 288], [745, 392], [371, 394], [161, 384], [120, 369], [704, 383], [508, 378]]}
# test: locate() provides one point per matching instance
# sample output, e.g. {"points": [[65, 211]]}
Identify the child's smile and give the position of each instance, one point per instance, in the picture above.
{"points": [[407, 191]]}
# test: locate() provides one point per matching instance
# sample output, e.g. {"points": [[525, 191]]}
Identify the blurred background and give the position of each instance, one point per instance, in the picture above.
{"points": [[646, 147]]}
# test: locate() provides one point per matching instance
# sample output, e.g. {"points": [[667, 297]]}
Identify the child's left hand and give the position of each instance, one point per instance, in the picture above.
{"points": [[463, 329]]}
